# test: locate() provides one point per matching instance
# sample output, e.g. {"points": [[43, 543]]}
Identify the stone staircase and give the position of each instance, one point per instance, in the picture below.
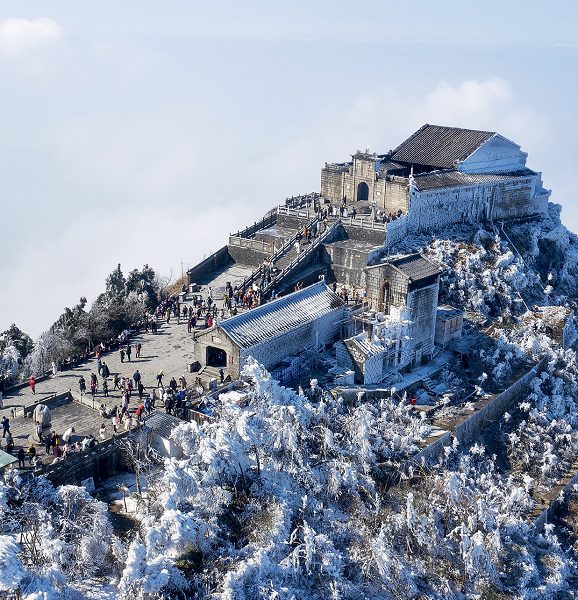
{"points": [[282, 258], [299, 260]]}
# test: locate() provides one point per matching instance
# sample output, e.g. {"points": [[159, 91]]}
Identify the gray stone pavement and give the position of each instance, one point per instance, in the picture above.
{"points": [[170, 349]]}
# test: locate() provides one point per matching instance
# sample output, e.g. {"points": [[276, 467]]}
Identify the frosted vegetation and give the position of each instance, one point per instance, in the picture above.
{"points": [[291, 500]]}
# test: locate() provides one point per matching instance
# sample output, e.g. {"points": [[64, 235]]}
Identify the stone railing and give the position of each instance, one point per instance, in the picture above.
{"points": [[303, 201], [277, 254], [308, 213], [252, 243], [306, 253], [269, 219]]}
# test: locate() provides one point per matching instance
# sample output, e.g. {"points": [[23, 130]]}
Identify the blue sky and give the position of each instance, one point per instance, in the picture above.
{"points": [[143, 132]]}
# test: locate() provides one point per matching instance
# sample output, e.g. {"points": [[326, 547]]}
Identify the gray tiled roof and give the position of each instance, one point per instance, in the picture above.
{"points": [[447, 179], [441, 147], [275, 318], [162, 423], [416, 266]]}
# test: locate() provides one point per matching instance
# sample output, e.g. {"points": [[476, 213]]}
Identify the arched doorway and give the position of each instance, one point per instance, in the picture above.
{"points": [[363, 191], [216, 357]]}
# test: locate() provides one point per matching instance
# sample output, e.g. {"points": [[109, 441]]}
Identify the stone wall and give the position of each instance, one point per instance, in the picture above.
{"points": [[365, 233], [101, 462], [52, 402], [218, 260], [396, 192], [467, 431], [252, 255]]}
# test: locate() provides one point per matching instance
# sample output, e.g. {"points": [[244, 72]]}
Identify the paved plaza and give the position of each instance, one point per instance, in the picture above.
{"points": [[170, 349]]}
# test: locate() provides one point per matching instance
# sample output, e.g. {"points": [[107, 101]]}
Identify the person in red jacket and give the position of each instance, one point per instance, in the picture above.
{"points": [[32, 383]]}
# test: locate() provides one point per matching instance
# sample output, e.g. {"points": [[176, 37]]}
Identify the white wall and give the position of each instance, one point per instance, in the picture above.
{"points": [[497, 154]]}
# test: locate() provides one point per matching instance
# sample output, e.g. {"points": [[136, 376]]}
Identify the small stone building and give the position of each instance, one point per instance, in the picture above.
{"points": [[161, 425], [399, 329], [449, 324], [306, 320]]}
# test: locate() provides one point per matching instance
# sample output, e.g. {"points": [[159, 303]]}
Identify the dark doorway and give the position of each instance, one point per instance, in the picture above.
{"points": [[363, 191], [216, 357]]}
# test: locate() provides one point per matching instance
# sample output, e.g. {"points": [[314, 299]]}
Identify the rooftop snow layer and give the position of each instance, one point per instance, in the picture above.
{"points": [[447, 179], [275, 318]]}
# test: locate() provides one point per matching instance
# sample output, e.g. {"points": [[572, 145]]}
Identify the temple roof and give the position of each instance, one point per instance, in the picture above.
{"points": [[162, 423], [414, 266], [279, 316], [447, 179], [438, 146]]}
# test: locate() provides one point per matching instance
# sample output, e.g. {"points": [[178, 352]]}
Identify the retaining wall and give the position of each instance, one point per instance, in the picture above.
{"points": [[467, 431], [562, 493], [103, 461], [218, 260], [52, 402]]}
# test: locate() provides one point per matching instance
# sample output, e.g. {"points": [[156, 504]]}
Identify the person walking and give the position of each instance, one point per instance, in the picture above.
{"points": [[82, 386], [32, 383], [31, 451], [20, 457], [47, 443], [116, 381], [122, 355], [138, 349], [9, 443], [138, 413], [5, 426], [160, 376], [105, 388], [128, 351]]}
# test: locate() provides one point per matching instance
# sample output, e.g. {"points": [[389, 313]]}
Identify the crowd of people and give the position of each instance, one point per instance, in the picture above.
{"points": [[55, 445], [136, 400]]}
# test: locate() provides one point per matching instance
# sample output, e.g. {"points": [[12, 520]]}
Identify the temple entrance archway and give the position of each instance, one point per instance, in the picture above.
{"points": [[216, 357], [363, 191]]}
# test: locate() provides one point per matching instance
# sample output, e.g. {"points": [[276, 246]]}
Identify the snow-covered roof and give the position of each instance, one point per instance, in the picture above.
{"points": [[447, 312], [284, 314], [447, 179], [162, 423], [438, 146], [6, 459]]}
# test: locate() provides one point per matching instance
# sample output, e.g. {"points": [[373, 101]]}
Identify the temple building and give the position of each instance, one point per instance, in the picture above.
{"points": [[273, 333], [400, 324], [440, 176]]}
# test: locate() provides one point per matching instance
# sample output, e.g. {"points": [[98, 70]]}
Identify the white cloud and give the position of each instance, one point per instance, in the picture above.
{"points": [[471, 99], [20, 36]]}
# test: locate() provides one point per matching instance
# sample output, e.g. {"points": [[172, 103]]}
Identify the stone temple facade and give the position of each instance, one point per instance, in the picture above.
{"points": [[440, 176], [400, 324]]}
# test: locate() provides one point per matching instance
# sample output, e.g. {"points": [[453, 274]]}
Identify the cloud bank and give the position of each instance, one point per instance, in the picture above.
{"points": [[21, 36]]}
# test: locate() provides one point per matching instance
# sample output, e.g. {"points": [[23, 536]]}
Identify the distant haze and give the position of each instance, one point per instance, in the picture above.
{"points": [[144, 132]]}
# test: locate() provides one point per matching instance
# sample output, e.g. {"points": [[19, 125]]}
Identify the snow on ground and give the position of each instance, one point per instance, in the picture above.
{"points": [[287, 499]]}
